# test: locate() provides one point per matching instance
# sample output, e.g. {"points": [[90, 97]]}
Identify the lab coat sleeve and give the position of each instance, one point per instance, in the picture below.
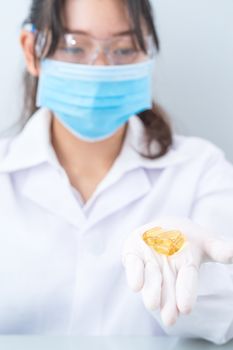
{"points": [[212, 316]]}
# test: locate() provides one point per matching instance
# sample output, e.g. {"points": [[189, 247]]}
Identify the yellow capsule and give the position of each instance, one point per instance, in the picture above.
{"points": [[166, 242]]}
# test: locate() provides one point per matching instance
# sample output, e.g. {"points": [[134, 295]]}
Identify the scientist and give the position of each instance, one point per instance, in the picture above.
{"points": [[95, 185]]}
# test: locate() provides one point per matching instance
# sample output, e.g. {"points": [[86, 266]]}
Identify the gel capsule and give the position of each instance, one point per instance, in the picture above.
{"points": [[166, 242]]}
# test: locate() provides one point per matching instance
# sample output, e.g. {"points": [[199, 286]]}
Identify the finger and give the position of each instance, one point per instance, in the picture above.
{"points": [[169, 311], [186, 288], [151, 292], [219, 251], [134, 268]]}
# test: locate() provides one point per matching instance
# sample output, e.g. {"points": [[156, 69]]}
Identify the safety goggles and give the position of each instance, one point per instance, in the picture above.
{"points": [[84, 49]]}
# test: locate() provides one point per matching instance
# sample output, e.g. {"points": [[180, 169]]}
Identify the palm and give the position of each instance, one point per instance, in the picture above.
{"points": [[171, 283]]}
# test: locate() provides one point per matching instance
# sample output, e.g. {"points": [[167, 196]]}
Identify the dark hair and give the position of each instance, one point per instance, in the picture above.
{"points": [[46, 14]]}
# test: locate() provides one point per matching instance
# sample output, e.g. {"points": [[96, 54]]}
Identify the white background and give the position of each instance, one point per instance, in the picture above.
{"points": [[194, 72]]}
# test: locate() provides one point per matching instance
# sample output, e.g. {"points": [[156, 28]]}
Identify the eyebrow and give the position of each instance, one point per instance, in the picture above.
{"points": [[122, 33]]}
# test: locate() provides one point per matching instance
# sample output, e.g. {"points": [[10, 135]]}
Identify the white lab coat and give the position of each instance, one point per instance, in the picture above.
{"points": [[60, 261]]}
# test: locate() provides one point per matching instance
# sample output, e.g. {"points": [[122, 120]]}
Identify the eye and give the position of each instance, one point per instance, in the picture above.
{"points": [[73, 50], [124, 52]]}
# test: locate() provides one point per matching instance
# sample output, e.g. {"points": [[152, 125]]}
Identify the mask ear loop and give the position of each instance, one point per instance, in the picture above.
{"points": [[40, 44], [151, 47]]}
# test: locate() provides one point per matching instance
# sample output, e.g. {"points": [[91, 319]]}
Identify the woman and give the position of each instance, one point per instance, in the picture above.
{"points": [[95, 167]]}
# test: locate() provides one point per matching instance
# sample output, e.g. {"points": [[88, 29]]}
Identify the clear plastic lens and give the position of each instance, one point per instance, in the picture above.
{"points": [[84, 49], [78, 48]]}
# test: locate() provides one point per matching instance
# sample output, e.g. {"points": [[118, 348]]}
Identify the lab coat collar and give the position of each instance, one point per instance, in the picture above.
{"points": [[32, 146], [32, 150], [135, 145]]}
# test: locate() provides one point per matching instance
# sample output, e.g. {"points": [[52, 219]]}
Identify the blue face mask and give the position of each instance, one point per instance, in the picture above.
{"points": [[93, 102]]}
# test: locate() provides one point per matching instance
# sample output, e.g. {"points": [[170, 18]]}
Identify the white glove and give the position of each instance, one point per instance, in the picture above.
{"points": [[170, 283]]}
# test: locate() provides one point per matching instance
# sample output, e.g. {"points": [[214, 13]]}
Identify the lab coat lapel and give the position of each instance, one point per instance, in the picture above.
{"points": [[127, 180], [37, 172], [128, 189], [47, 188]]}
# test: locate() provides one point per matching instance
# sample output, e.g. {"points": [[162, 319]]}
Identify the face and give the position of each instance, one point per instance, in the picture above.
{"points": [[100, 19], [99, 32]]}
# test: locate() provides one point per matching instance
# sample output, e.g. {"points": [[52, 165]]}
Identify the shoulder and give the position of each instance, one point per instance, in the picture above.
{"points": [[205, 161], [197, 149], [195, 157]]}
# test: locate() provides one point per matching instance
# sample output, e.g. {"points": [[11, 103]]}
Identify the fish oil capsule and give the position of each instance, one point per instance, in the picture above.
{"points": [[166, 242]]}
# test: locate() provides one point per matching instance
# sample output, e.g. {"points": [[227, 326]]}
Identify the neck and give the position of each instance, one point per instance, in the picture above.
{"points": [[85, 158]]}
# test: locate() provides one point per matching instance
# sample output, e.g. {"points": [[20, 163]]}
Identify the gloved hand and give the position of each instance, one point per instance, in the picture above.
{"points": [[170, 283]]}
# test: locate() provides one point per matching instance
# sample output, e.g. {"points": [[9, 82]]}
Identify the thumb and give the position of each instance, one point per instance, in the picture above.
{"points": [[219, 250]]}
